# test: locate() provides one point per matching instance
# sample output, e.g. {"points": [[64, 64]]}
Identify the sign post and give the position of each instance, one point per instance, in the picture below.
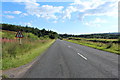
{"points": [[19, 35], [20, 40]]}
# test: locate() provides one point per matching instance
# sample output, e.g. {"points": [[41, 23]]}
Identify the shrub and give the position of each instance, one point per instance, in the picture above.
{"points": [[109, 45]]}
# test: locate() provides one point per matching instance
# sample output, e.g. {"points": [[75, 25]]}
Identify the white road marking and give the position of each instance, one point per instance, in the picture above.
{"points": [[82, 56], [69, 46], [65, 43]]}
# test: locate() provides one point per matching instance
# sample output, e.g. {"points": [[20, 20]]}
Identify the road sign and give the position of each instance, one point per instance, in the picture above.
{"points": [[19, 35]]}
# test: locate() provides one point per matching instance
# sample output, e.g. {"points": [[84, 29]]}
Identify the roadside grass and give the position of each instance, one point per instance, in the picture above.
{"points": [[4, 76], [101, 39], [110, 47], [15, 55]]}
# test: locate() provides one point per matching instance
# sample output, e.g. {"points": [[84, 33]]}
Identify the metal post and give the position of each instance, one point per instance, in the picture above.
{"points": [[20, 41]]}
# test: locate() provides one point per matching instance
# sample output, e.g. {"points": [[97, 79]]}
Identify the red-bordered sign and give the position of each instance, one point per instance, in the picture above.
{"points": [[19, 35]]}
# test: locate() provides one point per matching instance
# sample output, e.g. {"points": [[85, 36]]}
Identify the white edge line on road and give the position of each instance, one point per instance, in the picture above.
{"points": [[82, 56]]}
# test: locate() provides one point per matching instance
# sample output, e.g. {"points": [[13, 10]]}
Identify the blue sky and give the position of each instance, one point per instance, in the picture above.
{"points": [[76, 17]]}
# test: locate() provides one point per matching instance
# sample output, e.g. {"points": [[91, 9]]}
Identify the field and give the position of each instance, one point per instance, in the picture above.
{"points": [[110, 45], [15, 54]]}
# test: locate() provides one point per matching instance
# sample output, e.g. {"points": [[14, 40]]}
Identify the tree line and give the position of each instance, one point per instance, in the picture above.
{"points": [[54, 35], [27, 29], [97, 35]]}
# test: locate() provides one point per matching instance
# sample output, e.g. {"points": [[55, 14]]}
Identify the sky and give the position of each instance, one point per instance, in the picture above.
{"points": [[68, 16]]}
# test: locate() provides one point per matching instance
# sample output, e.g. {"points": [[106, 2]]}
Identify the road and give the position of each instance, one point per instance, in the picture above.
{"points": [[69, 60]]}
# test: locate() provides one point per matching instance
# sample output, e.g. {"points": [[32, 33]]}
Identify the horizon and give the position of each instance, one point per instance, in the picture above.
{"points": [[77, 17], [63, 33]]}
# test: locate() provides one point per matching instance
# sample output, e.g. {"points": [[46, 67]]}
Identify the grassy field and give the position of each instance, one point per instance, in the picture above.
{"points": [[15, 55], [102, 44]]}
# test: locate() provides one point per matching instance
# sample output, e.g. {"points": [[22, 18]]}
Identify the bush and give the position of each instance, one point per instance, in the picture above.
{"points": [[109, 45]]}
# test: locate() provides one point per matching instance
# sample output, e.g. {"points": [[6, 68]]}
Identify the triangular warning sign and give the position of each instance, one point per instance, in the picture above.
{"points": [[19, 35]]}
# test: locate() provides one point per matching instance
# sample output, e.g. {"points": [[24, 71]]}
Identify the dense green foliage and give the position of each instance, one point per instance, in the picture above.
{"points": [[99, 35], [35, 31]]}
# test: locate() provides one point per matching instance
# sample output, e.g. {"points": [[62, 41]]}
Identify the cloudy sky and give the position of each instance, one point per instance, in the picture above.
{"points": [[70, 16]]}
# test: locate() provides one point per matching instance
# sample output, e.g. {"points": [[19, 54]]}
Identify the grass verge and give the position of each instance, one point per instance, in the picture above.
{"points": [[110, 47], [25, 57]]}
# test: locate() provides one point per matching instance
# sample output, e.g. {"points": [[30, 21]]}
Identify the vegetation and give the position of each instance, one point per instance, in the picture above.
{"points": [[34, 43], [4, 76], [98, 35], [110, 45], [14, 54], [35, 31], [103, 41]]}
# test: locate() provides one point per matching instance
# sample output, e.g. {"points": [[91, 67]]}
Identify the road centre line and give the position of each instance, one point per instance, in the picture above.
{"points": [[79, 54], [82, 56], [69, 46]]}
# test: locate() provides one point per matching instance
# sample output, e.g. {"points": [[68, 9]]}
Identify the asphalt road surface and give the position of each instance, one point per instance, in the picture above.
{"points": [[68, 60]]}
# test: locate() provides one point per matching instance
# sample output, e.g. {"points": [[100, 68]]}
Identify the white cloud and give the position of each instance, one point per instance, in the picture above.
{"points": [[92, 7], [7, 11], [95, 23], [63, 21], [13, 12], [83, 7], [99, 8], [24, 1], [24, 14], [87, 4], [92, 24], [28, 24], [54, 21], [68, 11], [44, 11], [48, 12], [17, 12], [9, 16], [98, 20]]}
